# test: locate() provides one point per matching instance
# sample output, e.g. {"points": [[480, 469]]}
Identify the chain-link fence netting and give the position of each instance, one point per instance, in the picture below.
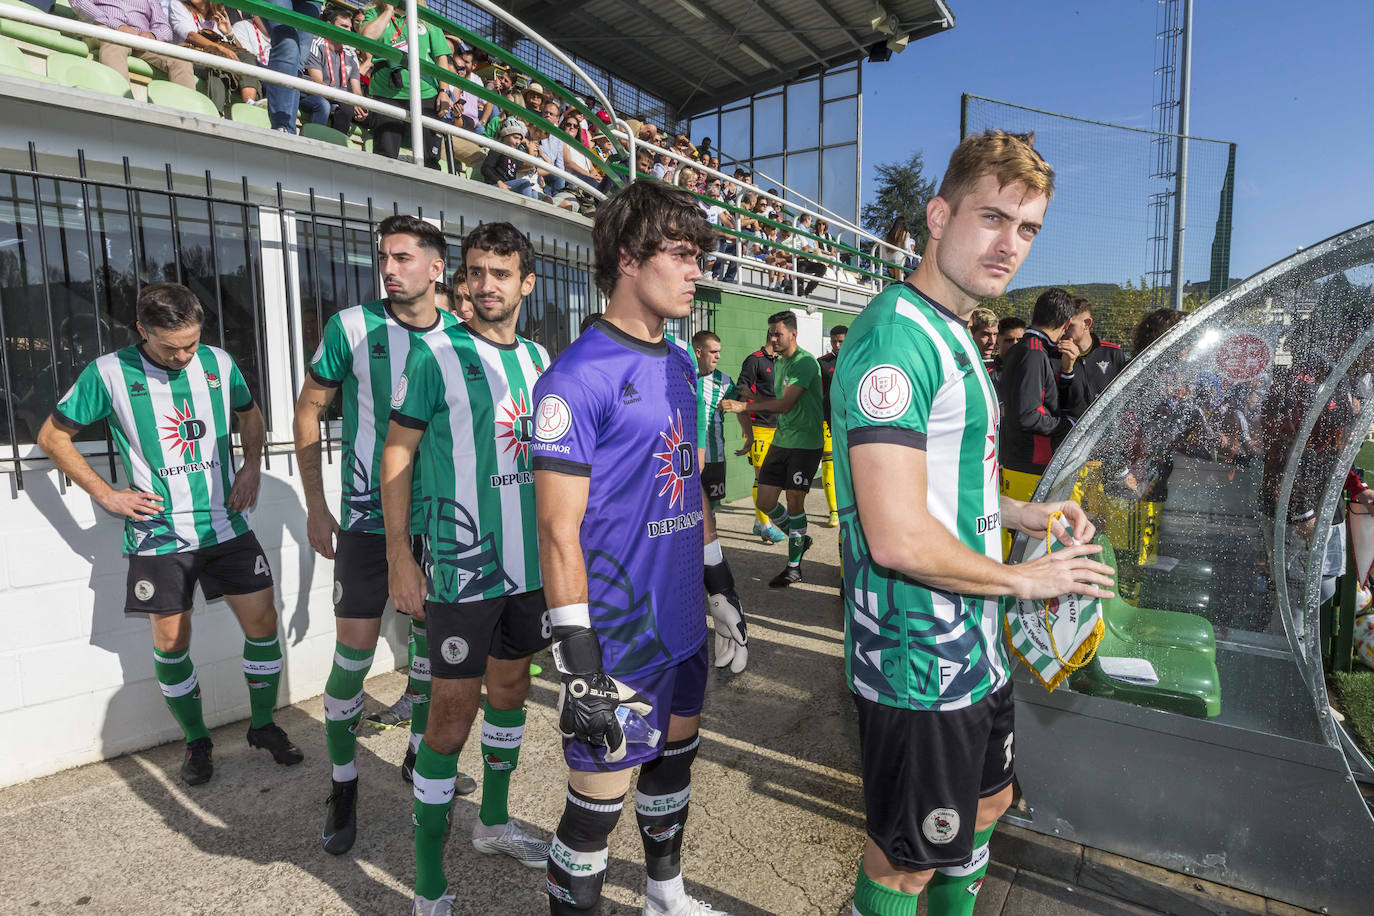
{"points": [[1109, 232]]}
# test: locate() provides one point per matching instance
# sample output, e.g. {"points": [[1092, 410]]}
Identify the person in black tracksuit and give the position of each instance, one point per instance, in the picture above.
{"points": [[755, 383], [1091, 361], [1034, 422]]}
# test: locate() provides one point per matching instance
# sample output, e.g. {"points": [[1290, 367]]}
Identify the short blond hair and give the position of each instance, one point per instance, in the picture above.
{"points": [[1010, 158], [982, 318]]}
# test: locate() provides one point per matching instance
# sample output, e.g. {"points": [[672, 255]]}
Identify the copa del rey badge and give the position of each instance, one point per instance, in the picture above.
{"points": [[1056, 637]]}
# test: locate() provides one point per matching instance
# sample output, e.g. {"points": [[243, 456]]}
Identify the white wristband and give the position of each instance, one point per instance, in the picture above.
{"points": [[570, 615]]}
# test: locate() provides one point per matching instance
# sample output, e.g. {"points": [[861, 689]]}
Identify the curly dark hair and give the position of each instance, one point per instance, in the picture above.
{"points": [[502, 239], [638, 221]]}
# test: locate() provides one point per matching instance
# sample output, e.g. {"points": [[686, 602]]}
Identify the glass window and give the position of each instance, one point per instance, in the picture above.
{"points": [[839, 191], [841, 82], [840, 121], [802, 178], [803, 102], [768, 138], [734, 134]]}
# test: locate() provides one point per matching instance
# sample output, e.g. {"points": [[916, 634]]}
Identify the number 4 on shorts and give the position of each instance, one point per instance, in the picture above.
{"points": [[260, 567]]}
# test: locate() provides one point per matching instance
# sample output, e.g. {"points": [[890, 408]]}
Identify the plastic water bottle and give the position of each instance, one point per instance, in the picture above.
{"points": [[636, 728]]}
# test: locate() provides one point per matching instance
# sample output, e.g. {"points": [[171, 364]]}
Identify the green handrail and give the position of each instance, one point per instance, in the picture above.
{"points": [[385, 51]]}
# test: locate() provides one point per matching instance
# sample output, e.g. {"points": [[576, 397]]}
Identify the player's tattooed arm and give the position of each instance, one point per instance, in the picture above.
{"points": [[321, 526], [404, 577]]}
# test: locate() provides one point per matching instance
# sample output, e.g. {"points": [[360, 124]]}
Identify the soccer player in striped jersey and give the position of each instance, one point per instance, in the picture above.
{"points": [[171, 400], [466, 402], [620, 538], [360, 357], [732, 640], [914, 419]]}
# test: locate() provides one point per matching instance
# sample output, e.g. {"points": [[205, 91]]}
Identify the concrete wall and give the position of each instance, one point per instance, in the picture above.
{"points": [[76, 674]]}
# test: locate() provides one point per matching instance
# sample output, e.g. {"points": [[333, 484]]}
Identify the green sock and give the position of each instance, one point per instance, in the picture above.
{"points": [[954, 891], [180, 687], [796, 538], [778, 515], [435, 775], [418, 688], [502, 730], [873, 899], [262, 670], [343, 705]]}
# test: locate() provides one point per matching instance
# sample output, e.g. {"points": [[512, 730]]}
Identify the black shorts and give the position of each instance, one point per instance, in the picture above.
{"points": [[361, 588], [166, 584], [461, 636], [713, 480], [924, 773], [790, 468]]}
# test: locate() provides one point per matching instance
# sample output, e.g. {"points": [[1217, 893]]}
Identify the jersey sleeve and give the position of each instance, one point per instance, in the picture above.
{"points": [[889, 386], [240, 396], [87, 401], [567, 422], [333, 357], [420, 390]]}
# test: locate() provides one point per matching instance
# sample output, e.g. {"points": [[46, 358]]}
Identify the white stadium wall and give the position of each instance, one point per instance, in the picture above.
{"points": [[76, 673]]}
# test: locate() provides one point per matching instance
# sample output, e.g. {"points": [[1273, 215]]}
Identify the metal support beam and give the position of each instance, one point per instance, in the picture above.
{"points": [[667, 28], [1181, 173]]}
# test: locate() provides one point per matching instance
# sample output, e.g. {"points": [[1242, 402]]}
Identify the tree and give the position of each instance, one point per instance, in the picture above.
{"points": [[903, 190]]}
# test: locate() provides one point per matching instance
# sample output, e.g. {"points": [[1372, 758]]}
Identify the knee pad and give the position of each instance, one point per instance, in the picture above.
{"points": [[578, 855], [665, 788]]}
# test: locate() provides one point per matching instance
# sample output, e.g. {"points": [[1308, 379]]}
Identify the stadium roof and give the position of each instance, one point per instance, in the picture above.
{"points": [[699, 54]]}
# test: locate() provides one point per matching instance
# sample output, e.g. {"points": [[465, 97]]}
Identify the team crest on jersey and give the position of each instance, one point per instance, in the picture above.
{"points": [[399, 397], [884, 393], [183, 430], [679, 459], [554, 419], [941, 826], [517, 428], [212, 380]]}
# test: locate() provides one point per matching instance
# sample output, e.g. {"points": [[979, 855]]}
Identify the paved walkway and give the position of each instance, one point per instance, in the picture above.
{"points": [[776, 821]]}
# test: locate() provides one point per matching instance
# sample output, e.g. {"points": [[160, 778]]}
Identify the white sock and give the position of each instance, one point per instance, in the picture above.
{"points": [[667, 894], [713, 555], [415, 741], [345, 772]]}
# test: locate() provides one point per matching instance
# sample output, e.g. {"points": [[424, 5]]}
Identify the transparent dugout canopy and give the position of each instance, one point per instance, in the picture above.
{"points": [[1213, 466]]}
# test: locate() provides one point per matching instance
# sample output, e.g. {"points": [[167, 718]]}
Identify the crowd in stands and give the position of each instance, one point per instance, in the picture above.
{"points": [[753, 223]]}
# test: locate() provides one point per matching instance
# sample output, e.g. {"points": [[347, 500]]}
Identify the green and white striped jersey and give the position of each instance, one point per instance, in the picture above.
{"points": [[713, 389], [171, 427], [473, 399], [363, 351], [910, 374]]}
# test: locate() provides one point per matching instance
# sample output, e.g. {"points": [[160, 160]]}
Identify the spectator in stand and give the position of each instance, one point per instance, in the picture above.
{"points": [[206, 27], [551, 151], [473, 112], [703, 148], [665, 168], [781, 258], [683, 147], [716, 215], [503, 170], [574, 160], [982, 326], [334, 64], [1031, 383], [1009, 333], [644, 162], [364, 57], [1091, 361], [145, 18], [535, 96], [289, 48], [898, 237], [391, 81], [649, 132], [807, 245]]}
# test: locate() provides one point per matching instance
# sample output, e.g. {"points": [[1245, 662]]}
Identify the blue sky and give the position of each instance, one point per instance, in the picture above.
{"points": [[1289, 83]]}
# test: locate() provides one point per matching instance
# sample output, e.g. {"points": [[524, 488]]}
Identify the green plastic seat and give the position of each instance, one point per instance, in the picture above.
{"points": [[256, 115], [324, 132], [140, 67], [39, 35], [90, 75], [23, 73], [11, 56], [1181, 648], [173, 95]]}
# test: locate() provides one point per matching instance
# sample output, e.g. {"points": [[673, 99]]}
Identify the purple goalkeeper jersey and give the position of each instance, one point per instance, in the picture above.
{"points": [[623, 412]]}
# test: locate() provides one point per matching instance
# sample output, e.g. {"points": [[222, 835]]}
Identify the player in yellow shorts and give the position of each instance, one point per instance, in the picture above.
{"points": [[755, 382], [827, 461]]}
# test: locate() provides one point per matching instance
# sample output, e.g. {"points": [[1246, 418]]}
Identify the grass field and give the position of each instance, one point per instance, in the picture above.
{"points": [[1355, 692]]}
